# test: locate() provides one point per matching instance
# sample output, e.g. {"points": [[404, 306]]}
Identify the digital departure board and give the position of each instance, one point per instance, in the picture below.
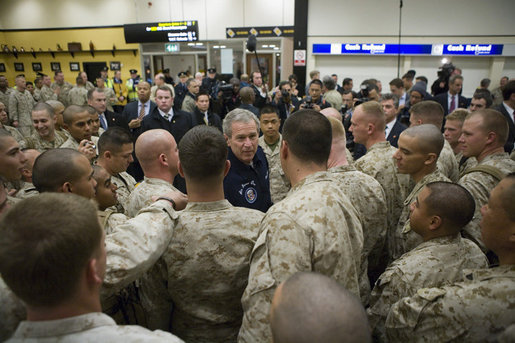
{"points": [[175, 31]]}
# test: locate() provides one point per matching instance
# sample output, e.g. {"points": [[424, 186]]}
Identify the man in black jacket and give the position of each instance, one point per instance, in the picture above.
{"points": [[97, 99], [202, 115]]}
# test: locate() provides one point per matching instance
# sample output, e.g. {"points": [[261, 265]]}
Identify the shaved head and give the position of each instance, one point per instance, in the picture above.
{"points": [[332, 112], [428, 112], [151, 145], [373, 112], [311, 307], [336, 126], [492, 121], [429, 139]]}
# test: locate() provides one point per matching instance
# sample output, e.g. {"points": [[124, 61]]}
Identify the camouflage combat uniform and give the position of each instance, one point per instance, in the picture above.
{"points": [[367, 196], [4, 99], [26, 191], [17, 136], [434, 263], [378, 162], [142, 195], [404, 238], [480, 184], [315, 228], [204, 272], [36, 142], [125, 183], [475, 310], [47, 93], [447, 163], [90, 327], [78, 96], [279, 184], [20, 110], [63, 94]]}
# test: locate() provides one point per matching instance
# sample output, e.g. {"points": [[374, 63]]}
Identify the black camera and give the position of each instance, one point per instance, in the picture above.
{"points": [[285, 94], [364, 95], [227, 90], [308, 102]]}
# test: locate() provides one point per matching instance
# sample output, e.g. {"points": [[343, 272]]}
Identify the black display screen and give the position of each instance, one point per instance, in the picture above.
{"points": [[175, 31]]}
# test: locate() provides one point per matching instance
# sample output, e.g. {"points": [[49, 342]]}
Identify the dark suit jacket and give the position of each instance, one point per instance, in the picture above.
{"points": [[442, 100], [250, 108], [212, 118], [259, 101], [395, 132], [114, 119], [180, 124], [130, 111], [508, 147]]}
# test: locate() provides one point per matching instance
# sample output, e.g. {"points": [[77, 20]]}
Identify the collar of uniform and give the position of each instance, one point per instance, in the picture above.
{"points": [[208, 206], [380, 145], [342, 169], [320, 176], [496, 156], [60, 327], [156, 181], [506, 271], [236, 164], [450, 239], [434, 176]]}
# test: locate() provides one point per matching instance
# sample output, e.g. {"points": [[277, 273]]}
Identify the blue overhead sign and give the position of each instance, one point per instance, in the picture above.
{"points": [[407, 49]]}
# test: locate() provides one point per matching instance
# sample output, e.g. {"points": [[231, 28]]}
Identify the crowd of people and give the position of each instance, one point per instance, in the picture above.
{"points": [[210, 212]]}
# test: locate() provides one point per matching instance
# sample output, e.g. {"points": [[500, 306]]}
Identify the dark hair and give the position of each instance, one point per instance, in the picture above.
{"points": [[346, 81], [203, 152], [483, 94], [282, 83], [54, 167], [41, 106], [309, 136], [508, 90], [112, 140], [45, 243], [316, 82], [397, 83], [452, 202], [269, 109]]}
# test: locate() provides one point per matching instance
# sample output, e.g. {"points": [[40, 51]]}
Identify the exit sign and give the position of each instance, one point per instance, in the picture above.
{"points": [[172, 47]]}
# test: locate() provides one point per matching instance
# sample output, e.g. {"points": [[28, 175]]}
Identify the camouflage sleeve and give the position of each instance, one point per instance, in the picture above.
{"points": [[282, 249], [14, 114], [135, 246], [423, 318], [12, 311]]}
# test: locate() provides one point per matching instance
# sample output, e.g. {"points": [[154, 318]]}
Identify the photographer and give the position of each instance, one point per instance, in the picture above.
{"points": [[314, 99], [441, 85], [230, 95], [285, 101]]}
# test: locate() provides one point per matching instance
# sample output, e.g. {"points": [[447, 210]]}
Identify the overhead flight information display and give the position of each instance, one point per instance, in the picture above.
{"points": [[174, 31]]}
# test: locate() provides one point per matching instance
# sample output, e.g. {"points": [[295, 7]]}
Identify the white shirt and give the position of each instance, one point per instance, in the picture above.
{"points": [[402, 99], [146, 105], [509, 110], [389, 127], [169, 113], [449, 101]]}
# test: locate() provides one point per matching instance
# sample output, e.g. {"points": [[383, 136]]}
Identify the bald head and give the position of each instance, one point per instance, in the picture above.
{"points": [[311, 307], [429, 139], [151, 146], [332, 112]]}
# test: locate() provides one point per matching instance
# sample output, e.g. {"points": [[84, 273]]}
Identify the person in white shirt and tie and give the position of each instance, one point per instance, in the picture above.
{"points": [[390, 104], [97, 99]]}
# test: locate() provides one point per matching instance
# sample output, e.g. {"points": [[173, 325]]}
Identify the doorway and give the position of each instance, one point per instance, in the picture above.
{"points": [[266, 63], [92, 69]]}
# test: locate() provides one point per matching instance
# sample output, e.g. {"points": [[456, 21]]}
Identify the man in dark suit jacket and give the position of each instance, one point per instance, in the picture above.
{"points": [[508, 105], [394, 127], [202, 115], [133, 115], [97, 99], [165, 117], [285, 102], [247, 97], [452, 99]]}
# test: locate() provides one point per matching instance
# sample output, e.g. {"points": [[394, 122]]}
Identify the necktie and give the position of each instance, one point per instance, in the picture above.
{"points": [[205, 120], [453, 104], [103, 122], [142, 112], [166, 116]]}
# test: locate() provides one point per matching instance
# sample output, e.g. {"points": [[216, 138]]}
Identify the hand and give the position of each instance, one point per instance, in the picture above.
{"points": [[87, 148], [316, 107], [57, 91], [15, 123], [134, 123], [181, 199]]}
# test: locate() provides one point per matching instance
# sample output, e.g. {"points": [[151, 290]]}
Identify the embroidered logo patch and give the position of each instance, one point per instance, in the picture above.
{"points": [[250, 195]]}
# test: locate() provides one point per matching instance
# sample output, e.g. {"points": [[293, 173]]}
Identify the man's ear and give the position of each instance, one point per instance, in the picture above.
{"points": [[179, 168], [93, 273], [435, 223], [65, 188], [430, 158], [227, 140], [491, 137], [284, 152], [107, 154], [227, 167]]}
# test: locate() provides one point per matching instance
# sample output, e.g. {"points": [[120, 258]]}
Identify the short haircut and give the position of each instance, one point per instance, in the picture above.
{"points": [[493, 121], [252, 75], [41, 106], [346, 81], [508, 90], [316, 82], [238, 115], [429, 138], [113, 139], [312, 307], [93, 90], [57, 72], [309, 137], [91, 110], [334, 98], [313, 73], [246, 94], [374, 111], [483, 94], [421, 78], [166, 89], [485, 83], [202, 92], [189, 81], [452, 203], [455, 77], [292, 77], [78, 79], [328, 82], [203, 152], [458, 114], [70, 112], [429, 111], [45, 243], [397, 83], [54, 167], [55, 104], [408, 76], [269, 109], [390, 96], [507, 197], [337, 129], [283, 83]]}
